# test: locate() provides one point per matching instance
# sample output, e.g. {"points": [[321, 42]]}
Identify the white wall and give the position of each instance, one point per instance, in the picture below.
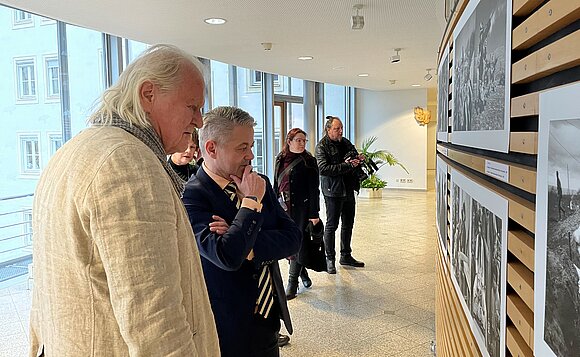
{"points": [[388, 115]]}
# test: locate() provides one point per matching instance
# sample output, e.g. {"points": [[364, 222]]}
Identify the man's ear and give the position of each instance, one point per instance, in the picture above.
{"points": [[211, 148], [146, 95]]}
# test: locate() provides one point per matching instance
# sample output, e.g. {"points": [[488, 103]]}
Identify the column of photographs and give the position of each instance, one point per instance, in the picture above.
{"points": [[443, 97], [481, 75], [441, 192], [478, 259], [557, 240]]}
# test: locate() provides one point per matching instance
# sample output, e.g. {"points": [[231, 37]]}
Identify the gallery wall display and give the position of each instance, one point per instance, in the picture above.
{"points": [[557, 241], [478, 259], [481, 75], [443, 97], [441, 192]]}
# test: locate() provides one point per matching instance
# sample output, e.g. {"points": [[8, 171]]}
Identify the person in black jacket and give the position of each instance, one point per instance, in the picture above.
{"points": [[296, 184], [337, 162], [185, 163]]}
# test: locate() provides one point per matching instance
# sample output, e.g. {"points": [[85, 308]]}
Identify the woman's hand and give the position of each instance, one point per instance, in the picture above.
{"points": [[219, 226]]}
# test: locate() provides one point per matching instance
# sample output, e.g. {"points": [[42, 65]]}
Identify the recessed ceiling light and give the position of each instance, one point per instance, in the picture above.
{"points": [[305, 58], [215, 21], [363, 75], [338, 68], [415, 85]]}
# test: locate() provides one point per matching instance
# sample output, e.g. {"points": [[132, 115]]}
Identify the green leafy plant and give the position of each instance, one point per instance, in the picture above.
{"points": [[374, 160]]}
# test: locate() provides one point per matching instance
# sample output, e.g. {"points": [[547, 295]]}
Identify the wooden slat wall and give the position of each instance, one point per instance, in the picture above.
{"points": [[538, 24]]}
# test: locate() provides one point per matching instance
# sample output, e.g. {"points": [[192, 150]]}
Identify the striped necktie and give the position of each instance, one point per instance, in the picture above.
{"points": [[231, 190], [266, 294]]}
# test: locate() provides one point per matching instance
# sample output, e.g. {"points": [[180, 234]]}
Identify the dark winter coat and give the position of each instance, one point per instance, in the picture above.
{"points": [[304, 192]]}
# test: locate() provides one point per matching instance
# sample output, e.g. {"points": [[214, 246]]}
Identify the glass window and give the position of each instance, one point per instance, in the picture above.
{"points": [[335, 101], [296, 116], [52, 80], [22, 19], [254, 81], [25, 79], [220, 84], [297, 87], [250, 99], [27, 226], [30, 154], [55, 142]]}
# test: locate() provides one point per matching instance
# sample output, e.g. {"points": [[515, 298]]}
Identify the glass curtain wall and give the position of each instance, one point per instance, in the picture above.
{"points": [[37, 54]]}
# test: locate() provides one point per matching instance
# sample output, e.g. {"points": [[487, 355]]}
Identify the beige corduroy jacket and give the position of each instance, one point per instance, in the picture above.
{"points": [[116, 267]]}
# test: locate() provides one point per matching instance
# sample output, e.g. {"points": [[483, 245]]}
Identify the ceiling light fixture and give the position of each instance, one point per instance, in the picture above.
{"points": [[338, 68], [357, 22], [396, 58], [428, 76], [305, 58], [363, 75], [415, 85], [215, 21]]}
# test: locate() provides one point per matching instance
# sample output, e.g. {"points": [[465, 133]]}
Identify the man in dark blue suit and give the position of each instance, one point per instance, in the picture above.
{"points": [[241, 232]]}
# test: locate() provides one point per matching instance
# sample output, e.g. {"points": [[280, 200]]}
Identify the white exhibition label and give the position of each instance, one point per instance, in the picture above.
{"points": [[497, 170]]}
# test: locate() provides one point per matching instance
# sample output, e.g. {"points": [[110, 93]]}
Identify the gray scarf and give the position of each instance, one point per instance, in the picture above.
{"points": [[150, 138]]}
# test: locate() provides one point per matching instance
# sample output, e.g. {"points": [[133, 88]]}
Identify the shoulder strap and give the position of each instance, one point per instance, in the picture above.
{"points": [[289, 167]]}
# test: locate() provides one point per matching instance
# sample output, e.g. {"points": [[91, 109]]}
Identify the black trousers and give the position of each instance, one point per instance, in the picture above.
{"points": [[342, 208], [264, 337]]}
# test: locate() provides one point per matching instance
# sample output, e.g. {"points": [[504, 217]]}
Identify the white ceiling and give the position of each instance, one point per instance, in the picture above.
{"points": [[318, 28]]}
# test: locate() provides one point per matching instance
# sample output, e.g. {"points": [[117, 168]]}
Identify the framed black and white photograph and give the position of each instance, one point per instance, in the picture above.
{"points": [[481, 76], [443, 97], [460, 242], [557, 240], [479, 255], [441, 193]]}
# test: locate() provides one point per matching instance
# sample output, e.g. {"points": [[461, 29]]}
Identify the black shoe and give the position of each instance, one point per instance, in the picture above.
{"points": [[350, 261], [291, 290], [305, 278], [283, 340], [330, 267]]}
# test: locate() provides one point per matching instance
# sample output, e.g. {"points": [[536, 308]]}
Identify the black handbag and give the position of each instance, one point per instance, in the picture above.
{"points": [[313, 255]]}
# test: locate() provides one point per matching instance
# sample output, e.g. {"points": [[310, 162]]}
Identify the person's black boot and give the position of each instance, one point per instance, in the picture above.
{"points": [[291, 289], [350, 261], [330, 267], [283, 340], [305, 278]]}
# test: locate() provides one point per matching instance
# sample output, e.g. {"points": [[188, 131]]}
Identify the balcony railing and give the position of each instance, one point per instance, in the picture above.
{"points": [[15, 235]]}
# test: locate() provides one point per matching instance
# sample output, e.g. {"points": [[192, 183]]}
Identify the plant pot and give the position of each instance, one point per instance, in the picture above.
{"points": [[371, 193]]}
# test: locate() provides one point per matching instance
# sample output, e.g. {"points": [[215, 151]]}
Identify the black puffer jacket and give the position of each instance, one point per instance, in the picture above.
{"points": [[336, 176]]}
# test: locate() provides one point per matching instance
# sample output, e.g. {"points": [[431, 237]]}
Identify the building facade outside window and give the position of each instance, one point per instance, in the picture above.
{"points": [[52, 80], [55, 142], [27, 227], [25, 78], [22, 19], [29, 154]]}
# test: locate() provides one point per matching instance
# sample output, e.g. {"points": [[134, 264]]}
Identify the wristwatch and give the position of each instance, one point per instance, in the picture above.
{"points": [[254, 198]]}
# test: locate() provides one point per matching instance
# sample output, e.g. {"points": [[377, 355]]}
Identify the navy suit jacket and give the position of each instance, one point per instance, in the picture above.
{"points": [[231, 279]]}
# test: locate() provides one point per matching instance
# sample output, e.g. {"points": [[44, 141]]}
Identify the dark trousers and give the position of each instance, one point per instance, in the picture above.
{"points": [[264, 337], [342, 208]]}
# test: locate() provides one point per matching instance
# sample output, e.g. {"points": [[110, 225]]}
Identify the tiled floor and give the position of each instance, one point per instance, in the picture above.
{"points": [[384, 309]]}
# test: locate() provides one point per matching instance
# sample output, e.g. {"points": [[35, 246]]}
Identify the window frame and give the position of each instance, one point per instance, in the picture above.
{"points": [[53, 137], [22, 155], [50, 97], [18, 23], [254, 85], [27, 225], [18, 61]]}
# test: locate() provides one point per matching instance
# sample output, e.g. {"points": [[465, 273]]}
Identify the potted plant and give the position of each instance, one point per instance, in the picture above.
{"points": [[373, 186]]}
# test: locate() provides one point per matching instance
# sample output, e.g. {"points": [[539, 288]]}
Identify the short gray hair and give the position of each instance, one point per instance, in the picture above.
{"points": [[219, 123], [162, 65]]}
